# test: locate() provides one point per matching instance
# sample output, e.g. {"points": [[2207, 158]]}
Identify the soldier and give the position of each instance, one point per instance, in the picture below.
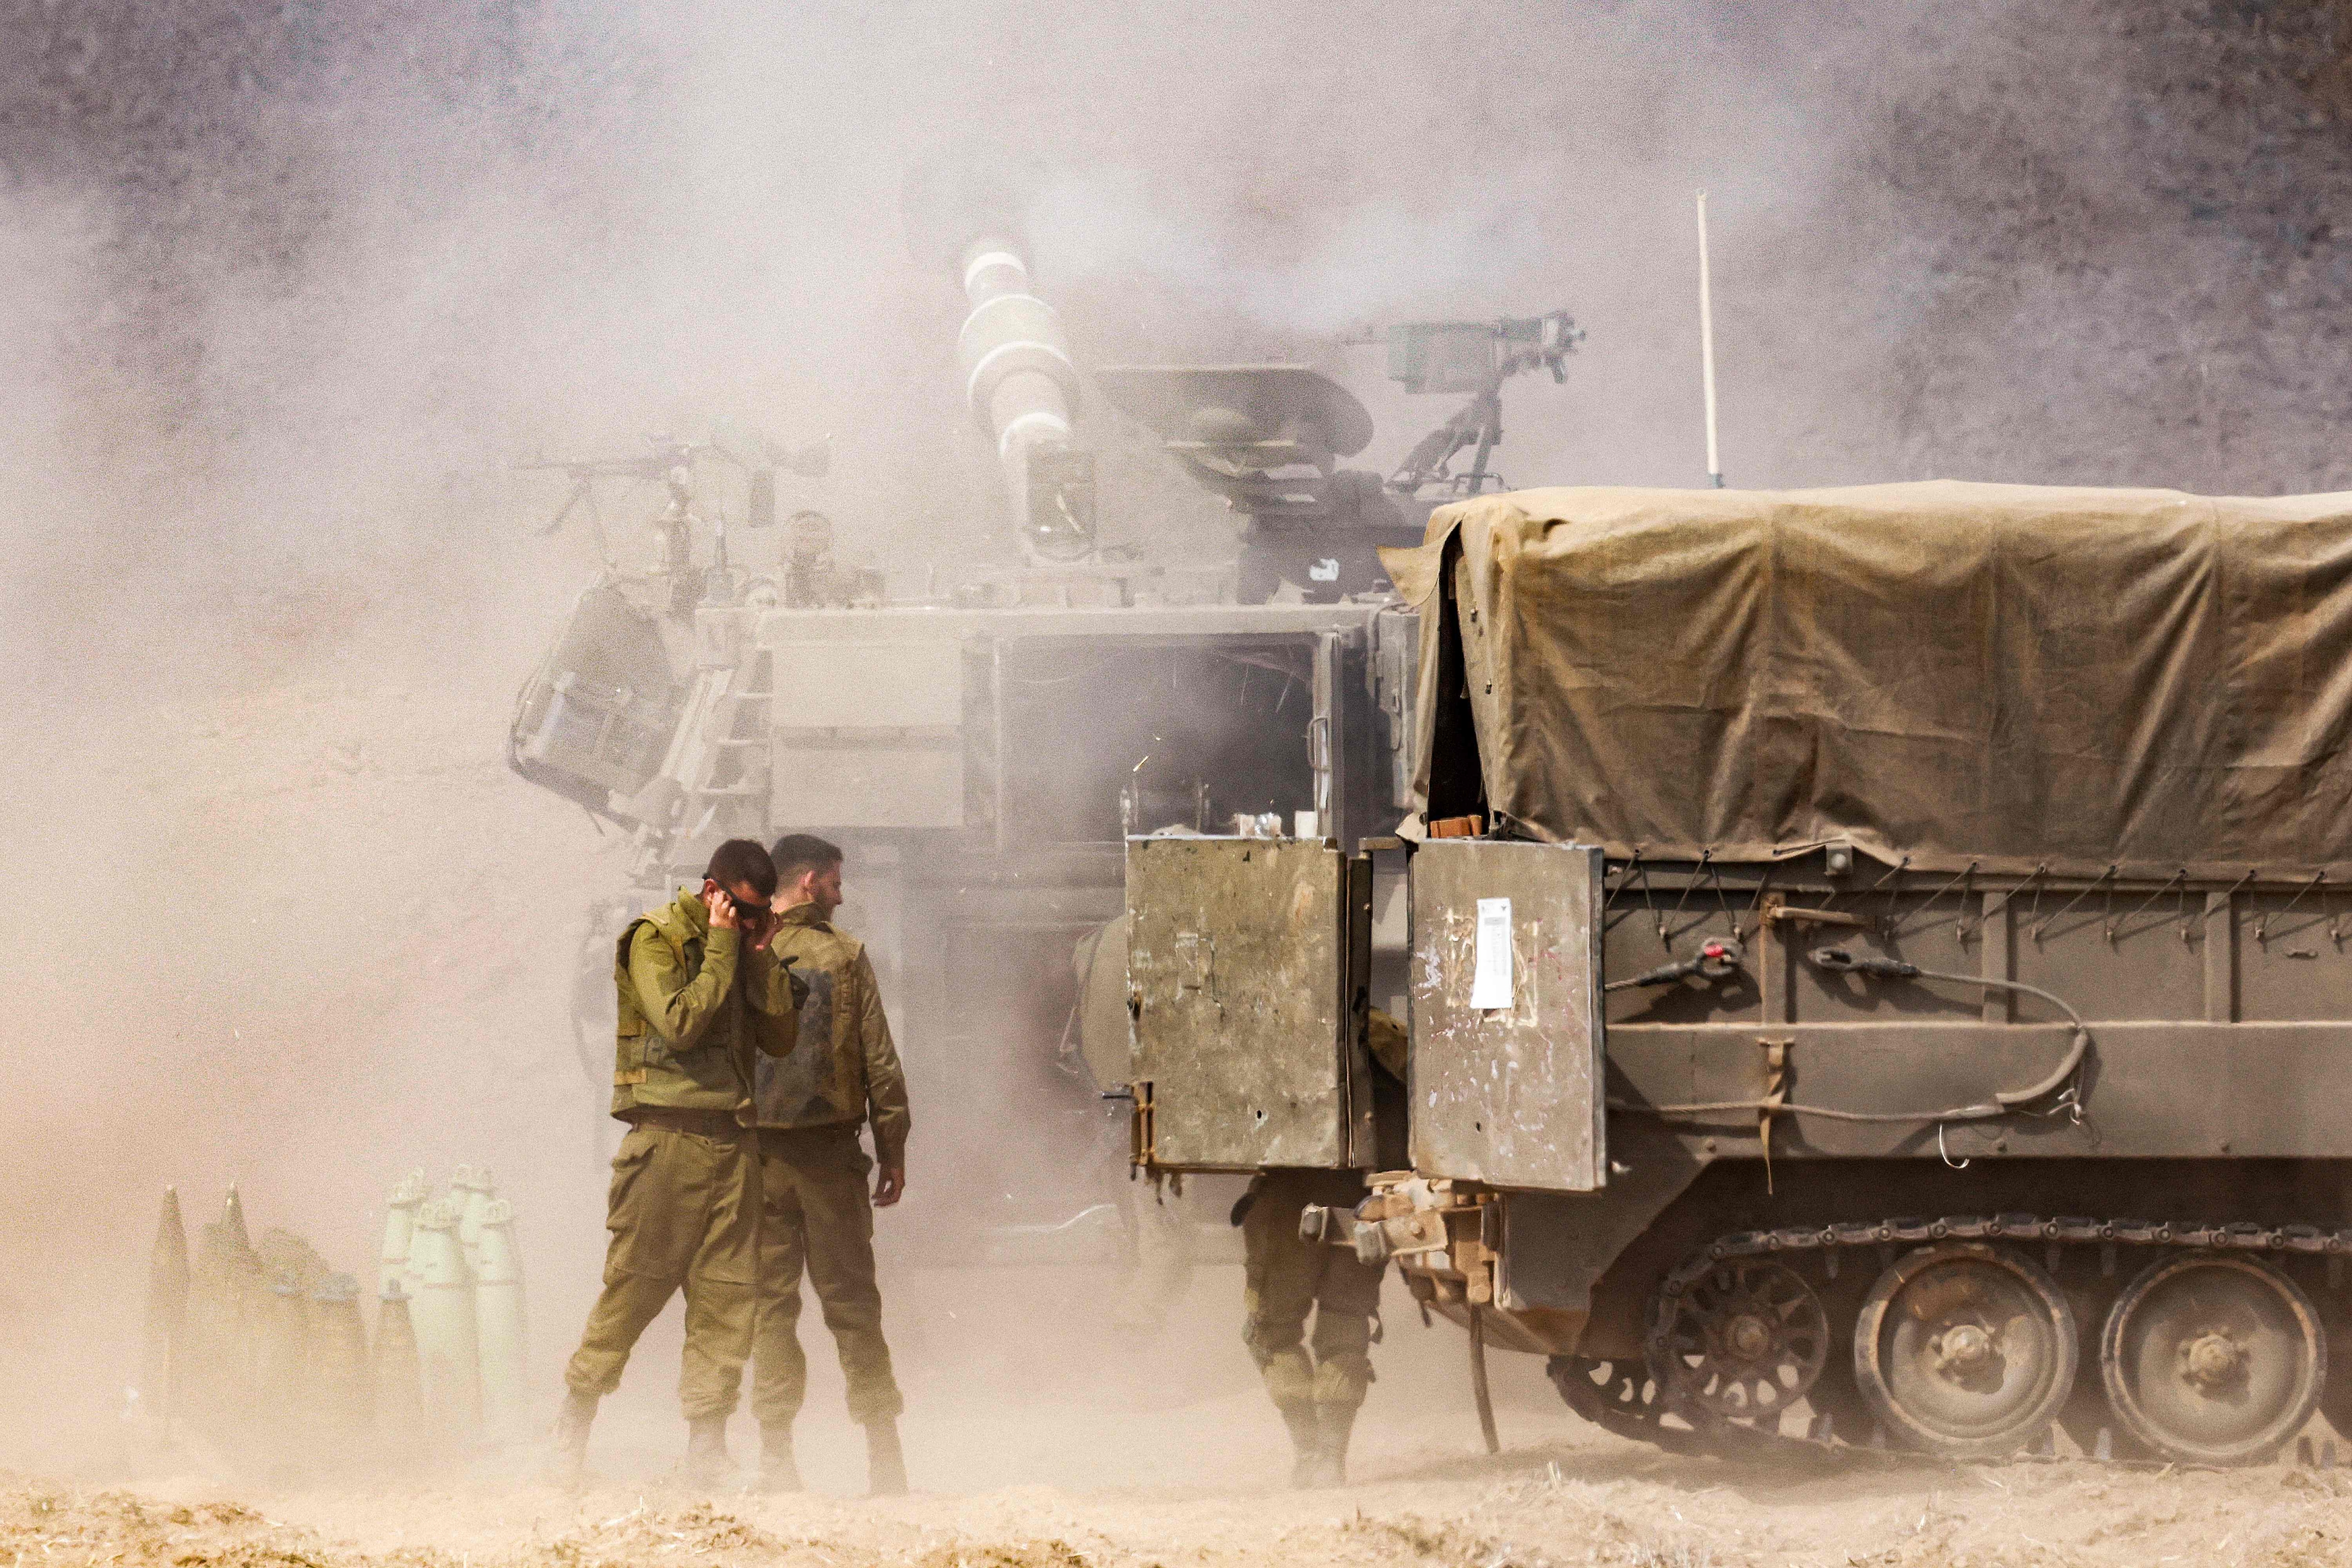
{"points": [[817, 1215], [812, 579], [700, 996], [1157, 1226], [1285, 1277]]}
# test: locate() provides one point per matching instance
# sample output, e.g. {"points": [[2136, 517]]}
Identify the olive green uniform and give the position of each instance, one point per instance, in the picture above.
{"points": [[1284, 1279], [819, 1217], [697, 1007]]}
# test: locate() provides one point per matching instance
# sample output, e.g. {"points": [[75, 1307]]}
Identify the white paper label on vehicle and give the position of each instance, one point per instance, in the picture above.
{"points": [[1490, 982]]}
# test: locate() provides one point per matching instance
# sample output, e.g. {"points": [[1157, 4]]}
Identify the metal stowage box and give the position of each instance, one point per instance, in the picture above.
{"points": [[1247, 1046], [1507, 1018]]}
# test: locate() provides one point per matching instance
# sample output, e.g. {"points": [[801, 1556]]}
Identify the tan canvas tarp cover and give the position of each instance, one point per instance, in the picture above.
{"points": [[2009, 676]]}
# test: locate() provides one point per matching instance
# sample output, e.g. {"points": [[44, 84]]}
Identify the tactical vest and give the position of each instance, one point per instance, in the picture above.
{"points": [[825, 1081], [712, 1076]]}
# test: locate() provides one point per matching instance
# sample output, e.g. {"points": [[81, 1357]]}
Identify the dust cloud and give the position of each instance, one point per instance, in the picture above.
{"points": [[290, 288]]}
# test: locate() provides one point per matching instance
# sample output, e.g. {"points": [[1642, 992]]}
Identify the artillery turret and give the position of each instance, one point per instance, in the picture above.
{"points": [[983, 752]]}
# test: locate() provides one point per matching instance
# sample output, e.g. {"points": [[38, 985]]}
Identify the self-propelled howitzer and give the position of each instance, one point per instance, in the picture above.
{"points": [[983, 747]]}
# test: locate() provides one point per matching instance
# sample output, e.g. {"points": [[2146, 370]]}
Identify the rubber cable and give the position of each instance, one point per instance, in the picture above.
{"points": [[2001, 1104]]}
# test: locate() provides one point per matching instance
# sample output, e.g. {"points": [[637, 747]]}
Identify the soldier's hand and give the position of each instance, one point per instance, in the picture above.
{"points": [[769, 926], [889, 1185], [723, 910]]}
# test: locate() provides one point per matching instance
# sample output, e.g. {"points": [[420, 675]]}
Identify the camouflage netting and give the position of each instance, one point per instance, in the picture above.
{"points": [[2140, 682]]}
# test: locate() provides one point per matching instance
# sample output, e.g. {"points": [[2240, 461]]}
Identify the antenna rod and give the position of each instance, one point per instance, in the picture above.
{"points": [[1707, 345]]}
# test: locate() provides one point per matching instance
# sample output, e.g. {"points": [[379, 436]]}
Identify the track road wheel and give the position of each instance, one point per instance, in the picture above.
{"points": [[2213, 1358], [1746, 1341], [1964, 1350]]}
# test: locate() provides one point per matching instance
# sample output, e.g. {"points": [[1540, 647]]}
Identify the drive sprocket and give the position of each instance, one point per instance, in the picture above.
{"points": [[1744, 1341]]}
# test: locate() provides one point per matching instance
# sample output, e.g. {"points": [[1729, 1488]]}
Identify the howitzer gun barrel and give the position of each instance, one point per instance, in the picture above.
{"points": [[1019, 379], [1017, 372]]}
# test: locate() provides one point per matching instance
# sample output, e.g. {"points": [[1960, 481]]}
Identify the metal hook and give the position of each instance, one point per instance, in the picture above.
{"points": [[1895, 921], [2262, 921], [2018, 892], [2042, 927], [1705, 855], [1625, 874], [1947, 1154], [1722, 898]]}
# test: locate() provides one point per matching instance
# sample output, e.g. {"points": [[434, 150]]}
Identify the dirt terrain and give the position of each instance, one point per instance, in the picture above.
{"points": [[1117, 1453], [1561, 1495]]}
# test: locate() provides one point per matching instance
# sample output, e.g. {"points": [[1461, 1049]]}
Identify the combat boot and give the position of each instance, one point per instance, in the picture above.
{"points": [[1306, 1442], [777, 1472], [886, 1461], [567, 1459], [1333, 1425], [706, 1465]]}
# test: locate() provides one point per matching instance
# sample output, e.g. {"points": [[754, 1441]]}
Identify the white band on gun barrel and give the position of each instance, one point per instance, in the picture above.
{"points": [[1048, 424], [980, 371], [988, 258]]}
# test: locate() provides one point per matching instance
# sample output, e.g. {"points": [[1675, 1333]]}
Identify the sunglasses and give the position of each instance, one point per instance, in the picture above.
{"points": [[752, 913]]}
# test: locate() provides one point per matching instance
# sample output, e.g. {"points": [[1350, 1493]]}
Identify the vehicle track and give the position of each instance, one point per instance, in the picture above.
{"points": [[1691, 1394]]}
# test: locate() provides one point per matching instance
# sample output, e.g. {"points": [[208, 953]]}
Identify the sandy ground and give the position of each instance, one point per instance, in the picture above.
{"points": [[1570, 1498], [1041, 1440]]}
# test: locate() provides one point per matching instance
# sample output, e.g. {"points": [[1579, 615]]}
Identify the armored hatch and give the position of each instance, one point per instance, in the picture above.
{"points": [[1247, 1046]]}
